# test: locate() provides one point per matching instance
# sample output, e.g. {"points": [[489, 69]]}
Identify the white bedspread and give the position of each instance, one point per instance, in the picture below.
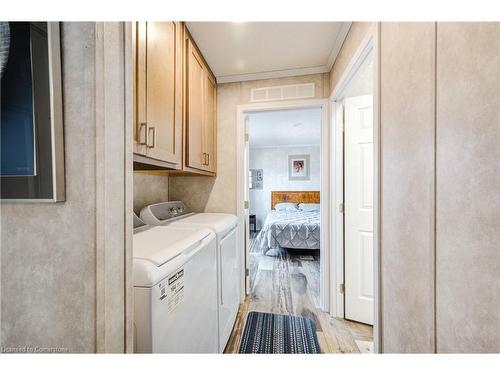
{"points": [[290, 229]]}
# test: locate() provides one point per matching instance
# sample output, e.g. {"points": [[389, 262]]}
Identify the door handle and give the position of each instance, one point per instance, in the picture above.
{"points": [[154, 137], [144, 126]]}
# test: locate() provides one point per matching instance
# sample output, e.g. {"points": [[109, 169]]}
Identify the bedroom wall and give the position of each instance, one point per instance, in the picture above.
{"points": [[218, 194], [274, 163]]}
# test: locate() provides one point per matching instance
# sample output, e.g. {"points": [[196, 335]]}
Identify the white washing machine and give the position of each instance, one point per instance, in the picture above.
{"points": [[176, 214], [175, 289]]}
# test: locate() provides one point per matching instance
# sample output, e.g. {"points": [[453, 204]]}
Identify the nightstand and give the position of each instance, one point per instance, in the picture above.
{"points": [[252, 221]]}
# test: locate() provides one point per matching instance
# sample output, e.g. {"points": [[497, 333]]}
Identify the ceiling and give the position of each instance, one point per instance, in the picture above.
{"points": [[240, 51], [292, 127]]}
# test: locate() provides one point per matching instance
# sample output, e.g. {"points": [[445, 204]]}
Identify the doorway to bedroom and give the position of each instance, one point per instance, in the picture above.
{"points": [[284, 209], [284, 164]]}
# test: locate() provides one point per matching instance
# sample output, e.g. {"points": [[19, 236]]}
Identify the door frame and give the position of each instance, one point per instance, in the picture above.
{"points": [[325, 240], [370, 43]]}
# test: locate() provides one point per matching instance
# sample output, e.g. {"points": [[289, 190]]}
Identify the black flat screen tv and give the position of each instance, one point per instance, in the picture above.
{"points": [[31, 128]]}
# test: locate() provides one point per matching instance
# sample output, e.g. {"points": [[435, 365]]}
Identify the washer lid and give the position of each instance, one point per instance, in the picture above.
{"points": [[219, 223], [160, 244]]}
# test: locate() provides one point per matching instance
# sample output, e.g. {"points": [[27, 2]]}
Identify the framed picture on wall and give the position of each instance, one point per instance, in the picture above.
{"points": [[298, 167], [255, 179]]}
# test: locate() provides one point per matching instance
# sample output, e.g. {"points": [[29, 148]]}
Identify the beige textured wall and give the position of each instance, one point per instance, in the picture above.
{"points": [[218, 194], [468, 187], [440, 183], [357, 33], [48, 250], [407, 186], [440, 131], [148, 189], [63, 265]]}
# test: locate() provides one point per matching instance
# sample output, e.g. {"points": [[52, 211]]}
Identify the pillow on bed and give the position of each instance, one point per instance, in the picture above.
{"points": [[286, 207], [309, 207]]}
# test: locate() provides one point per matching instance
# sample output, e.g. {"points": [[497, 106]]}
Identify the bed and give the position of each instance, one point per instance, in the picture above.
{"points": [[289, 227]]}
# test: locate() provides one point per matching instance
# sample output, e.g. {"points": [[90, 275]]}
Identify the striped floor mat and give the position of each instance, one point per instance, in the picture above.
{"points": [[279, 334]]}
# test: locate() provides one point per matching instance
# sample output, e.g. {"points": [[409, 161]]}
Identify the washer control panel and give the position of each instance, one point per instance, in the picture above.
{"points": [[169, 210]]}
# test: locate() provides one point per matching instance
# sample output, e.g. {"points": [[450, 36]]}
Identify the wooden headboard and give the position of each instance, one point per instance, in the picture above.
{"points": [[294, 197]]}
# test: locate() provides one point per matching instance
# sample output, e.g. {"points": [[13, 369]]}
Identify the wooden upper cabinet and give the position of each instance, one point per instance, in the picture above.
{"points": [[158, 132], [200, 123], [175, 101], [195, 157], [210, 123]]}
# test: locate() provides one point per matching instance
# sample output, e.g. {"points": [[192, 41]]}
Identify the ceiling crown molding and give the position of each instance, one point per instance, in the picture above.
{"points": [[344, 30]]}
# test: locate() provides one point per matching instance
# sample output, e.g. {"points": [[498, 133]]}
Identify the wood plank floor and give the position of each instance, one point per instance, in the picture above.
{"points": [[288, 283]]}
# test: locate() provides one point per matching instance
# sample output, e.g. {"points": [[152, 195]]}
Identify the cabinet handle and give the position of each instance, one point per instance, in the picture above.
{"points": [[154, 137], [144, 126], [208, 159], [204, 159]]}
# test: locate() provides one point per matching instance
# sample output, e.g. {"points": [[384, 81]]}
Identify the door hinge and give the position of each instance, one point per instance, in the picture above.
{"points": [[247, 137], [246, 205], [341, 208], [247, 272], [342, 288]]}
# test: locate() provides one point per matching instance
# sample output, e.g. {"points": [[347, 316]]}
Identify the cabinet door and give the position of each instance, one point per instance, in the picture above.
{"points": [[209, 123], [195, 109], [163, 92], [139, 61]]}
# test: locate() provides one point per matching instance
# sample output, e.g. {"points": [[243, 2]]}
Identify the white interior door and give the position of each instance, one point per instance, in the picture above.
{"points": [[358, 193]]}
